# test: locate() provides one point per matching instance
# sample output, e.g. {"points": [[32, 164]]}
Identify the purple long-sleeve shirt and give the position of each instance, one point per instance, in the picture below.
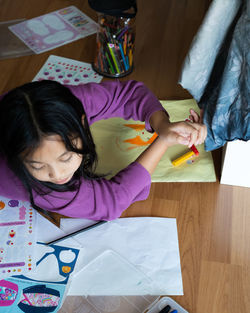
{"points": [[99, 199]]}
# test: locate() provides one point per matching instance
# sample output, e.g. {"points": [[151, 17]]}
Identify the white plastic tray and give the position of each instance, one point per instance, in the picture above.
{"points": [[158, 305]]}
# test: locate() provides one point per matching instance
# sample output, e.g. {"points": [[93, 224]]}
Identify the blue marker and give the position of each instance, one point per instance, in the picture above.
{"points": [[175, 311], [123, 57]]}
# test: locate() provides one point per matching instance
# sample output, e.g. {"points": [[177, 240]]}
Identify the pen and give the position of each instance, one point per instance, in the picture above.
{"points": [[166, 309], [76, 232], [175, 311]]}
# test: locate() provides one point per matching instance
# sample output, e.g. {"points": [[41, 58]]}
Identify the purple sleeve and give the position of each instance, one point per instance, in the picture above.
{"points": [[97, 200], [10, 186], [101, 199], [125, 99]]}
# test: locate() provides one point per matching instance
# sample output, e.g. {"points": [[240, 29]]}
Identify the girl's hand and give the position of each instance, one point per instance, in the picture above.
{"points": [[194, 116], [185, 133], [169, 134]]}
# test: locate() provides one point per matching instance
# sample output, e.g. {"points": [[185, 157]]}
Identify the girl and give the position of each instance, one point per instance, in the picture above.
{"points": [[48, 157]]}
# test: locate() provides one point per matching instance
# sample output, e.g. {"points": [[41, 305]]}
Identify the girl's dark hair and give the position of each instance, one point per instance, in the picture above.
{"points": [[33, 111]]}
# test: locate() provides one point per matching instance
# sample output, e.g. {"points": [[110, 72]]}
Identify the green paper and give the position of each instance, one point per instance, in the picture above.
{"points": [[115, 154]]}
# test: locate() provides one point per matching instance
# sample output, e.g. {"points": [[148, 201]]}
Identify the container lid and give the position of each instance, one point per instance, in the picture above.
{"points": [[115, 8]]}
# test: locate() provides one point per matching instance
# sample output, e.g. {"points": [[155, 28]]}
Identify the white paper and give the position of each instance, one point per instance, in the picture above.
{"points": [[149, 244], [236, 164], [47, 231]]}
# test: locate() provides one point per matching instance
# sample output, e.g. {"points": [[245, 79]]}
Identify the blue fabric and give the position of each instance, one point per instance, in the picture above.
{"points": [[221, 85]]}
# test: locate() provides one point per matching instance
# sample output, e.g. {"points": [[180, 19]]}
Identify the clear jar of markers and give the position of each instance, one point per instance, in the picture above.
{"points": [[115, 38]]}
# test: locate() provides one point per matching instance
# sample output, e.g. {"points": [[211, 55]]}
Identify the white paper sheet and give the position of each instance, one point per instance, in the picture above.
{"points": [[149, 244]]}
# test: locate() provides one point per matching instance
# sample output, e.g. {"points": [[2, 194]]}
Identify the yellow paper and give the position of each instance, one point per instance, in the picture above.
{"points": [[120, 142]]}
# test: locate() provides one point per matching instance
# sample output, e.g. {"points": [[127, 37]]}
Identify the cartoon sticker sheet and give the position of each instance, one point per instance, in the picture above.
{"points": [[67, 71], [54, 29], [43, 289], [18, 295], [17, 237]]}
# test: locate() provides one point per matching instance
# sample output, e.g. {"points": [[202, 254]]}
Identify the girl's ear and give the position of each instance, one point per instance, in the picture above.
{"points": [[83, 117]]}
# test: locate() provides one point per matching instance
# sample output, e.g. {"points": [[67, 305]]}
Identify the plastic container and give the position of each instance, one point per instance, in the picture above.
{"points": [[160, 304], [12, 46], [115, 38]]}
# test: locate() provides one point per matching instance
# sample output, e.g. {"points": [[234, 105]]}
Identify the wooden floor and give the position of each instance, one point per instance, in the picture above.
{"points": [[213, 220]]}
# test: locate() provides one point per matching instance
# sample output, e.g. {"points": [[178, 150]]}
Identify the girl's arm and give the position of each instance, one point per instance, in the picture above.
{"points": [[153, 154], [97, 200], [125, 99]]}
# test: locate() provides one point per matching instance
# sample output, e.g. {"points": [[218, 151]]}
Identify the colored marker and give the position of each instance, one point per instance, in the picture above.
{"points": [[118, 58], [175, 311], [110, 64], [183, 158], [123, 57], [166, 309], [130, 57], [111, 46], [125, 44], [125, 29]]}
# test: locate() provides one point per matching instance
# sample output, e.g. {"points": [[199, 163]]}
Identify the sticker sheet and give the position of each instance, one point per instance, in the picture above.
{"points": [[54, 29], [18, 295], [67, 71], [17, 237], [43, 289]]}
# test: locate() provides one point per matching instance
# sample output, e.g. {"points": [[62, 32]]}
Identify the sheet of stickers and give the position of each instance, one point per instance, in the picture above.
{"points": [[67, 71], [54, 29], [44, 288], [17, 237]]}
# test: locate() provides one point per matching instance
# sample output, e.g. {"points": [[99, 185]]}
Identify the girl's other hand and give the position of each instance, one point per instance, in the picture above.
{"points": [[187, 133]]}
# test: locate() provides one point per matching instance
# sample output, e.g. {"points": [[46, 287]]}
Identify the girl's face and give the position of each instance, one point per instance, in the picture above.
{"points": [[52, 162]]}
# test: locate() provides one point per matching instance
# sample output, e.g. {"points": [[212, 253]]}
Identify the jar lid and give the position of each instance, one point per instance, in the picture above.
{"points": [[115, 7]]}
